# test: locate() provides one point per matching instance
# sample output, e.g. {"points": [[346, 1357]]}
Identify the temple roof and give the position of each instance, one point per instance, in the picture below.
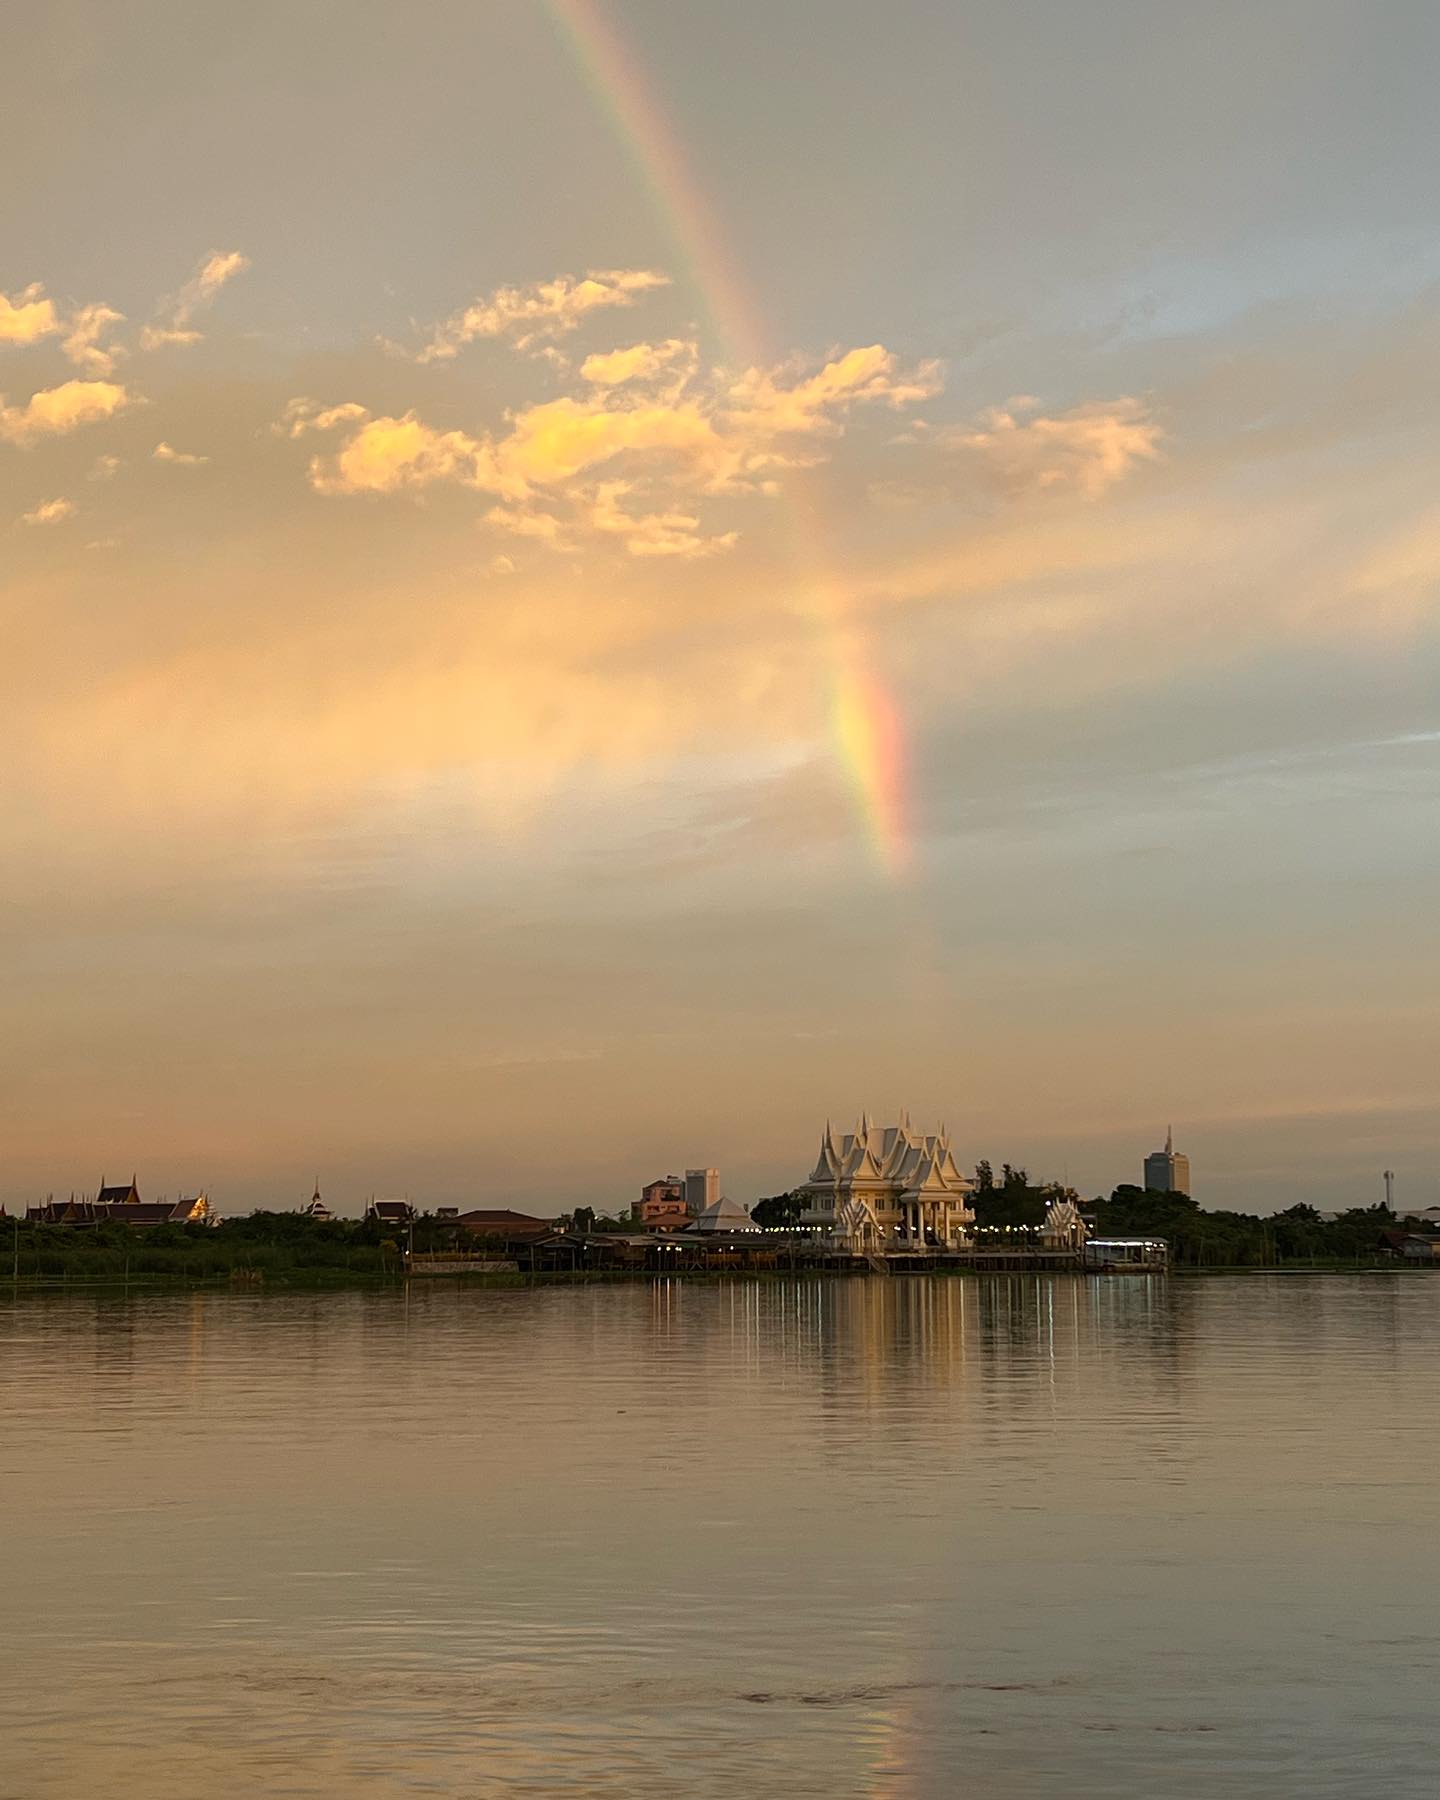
{"points": [[896, 1156]]}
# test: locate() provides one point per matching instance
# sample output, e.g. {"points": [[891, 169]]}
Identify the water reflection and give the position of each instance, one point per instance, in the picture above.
{"points": [[895, 1537]]}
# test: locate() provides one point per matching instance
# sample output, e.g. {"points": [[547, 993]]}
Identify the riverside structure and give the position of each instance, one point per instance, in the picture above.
{"points": [[883, 1188]]}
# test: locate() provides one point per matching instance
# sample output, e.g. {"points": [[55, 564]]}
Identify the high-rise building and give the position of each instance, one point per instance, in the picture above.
{"points": [[1167, 1171], [702, 1189]]}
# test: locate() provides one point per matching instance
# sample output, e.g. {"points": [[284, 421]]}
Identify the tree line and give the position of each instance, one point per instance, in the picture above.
{"points": [[1197, 1238]]}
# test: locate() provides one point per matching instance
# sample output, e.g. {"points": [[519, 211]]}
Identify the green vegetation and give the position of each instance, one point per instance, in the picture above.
{"points": [[1235, 1240], [293, 1249], [1012, 1200], [780, 1210], [263, 1247]]}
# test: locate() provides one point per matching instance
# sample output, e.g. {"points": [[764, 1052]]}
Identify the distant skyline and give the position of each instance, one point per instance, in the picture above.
{"points": [[589, 584]]}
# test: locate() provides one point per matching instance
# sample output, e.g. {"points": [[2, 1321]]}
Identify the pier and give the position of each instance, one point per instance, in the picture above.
{"points": [[676, 1253]]}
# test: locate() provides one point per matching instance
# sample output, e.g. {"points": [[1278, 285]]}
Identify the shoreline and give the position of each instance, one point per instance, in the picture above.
{"points": [[321, 1282]]}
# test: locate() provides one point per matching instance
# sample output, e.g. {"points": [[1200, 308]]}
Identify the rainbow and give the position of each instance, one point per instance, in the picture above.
{"points": [[864, 722]]}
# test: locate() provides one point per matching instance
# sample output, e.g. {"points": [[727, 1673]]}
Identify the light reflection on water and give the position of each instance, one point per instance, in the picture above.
{"points": [[905, 1538]]}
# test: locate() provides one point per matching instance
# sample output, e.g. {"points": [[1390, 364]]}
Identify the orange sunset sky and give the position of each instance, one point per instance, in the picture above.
{"points": [[588, 584]]}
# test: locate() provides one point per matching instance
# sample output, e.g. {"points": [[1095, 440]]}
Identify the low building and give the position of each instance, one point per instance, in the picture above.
{"points": [[122, 1206], [662, 1212], [501, 1223], [1126, 1253], [396, 1214], [666, 1187], [662, 1205], [1413, 1246], [724, 1216]]}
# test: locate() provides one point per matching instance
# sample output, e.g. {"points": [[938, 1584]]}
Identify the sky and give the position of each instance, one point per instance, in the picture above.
{"points": [[589, 584]]}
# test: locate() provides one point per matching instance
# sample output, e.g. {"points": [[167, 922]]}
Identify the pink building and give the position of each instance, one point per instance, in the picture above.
{"points": [[661, 1206]]}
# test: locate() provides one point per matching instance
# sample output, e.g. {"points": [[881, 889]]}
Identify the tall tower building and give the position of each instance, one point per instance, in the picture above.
{"points": [[702, 1189], [1167, 1171]]}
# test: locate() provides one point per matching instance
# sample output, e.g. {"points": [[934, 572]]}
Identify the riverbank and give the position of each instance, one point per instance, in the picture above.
{"points": [[323, 1281]]}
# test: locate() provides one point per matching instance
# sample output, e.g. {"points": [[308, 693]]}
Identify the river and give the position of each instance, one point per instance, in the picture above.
{"points": [[1004, 1537]]}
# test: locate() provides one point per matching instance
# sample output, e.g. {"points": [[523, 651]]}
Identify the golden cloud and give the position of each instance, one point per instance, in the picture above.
{"points": [[173, 319], [83, 332], [28, 317], [552, 443], [652, 534], [528, 522], [54, 411], [527, 315], [386, 455], [1085, 450], [722, 436], [49, 512], [762, 404], [638, 362], [166, 453]]}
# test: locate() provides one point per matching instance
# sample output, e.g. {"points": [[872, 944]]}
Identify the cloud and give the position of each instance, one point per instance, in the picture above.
{"points": [[550, 444], [719, 436], [652, 534], [165, 453], [1084, 451], [31, 316], [763, 404], [1398, 577], [49, 512], [54, 411], [527, 522], [84, 329], [28, 317], [527, 315], [304, 415], [637, 362], [157, 337], [501, 565], [174, 316], [546, 446], [211, 276], [387, 455], [104, 468]]}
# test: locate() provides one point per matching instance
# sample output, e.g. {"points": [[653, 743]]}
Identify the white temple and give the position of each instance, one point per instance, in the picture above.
{"points": [[889, 1187]]}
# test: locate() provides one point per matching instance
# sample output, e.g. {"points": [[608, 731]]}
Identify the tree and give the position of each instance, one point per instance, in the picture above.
{"points": [[781, 1210], [583, 1220], [1011, 1200], [984, 1177]]}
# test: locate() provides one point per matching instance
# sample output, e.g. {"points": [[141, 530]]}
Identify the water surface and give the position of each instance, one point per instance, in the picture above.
{"points": [[915, 1537]]}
